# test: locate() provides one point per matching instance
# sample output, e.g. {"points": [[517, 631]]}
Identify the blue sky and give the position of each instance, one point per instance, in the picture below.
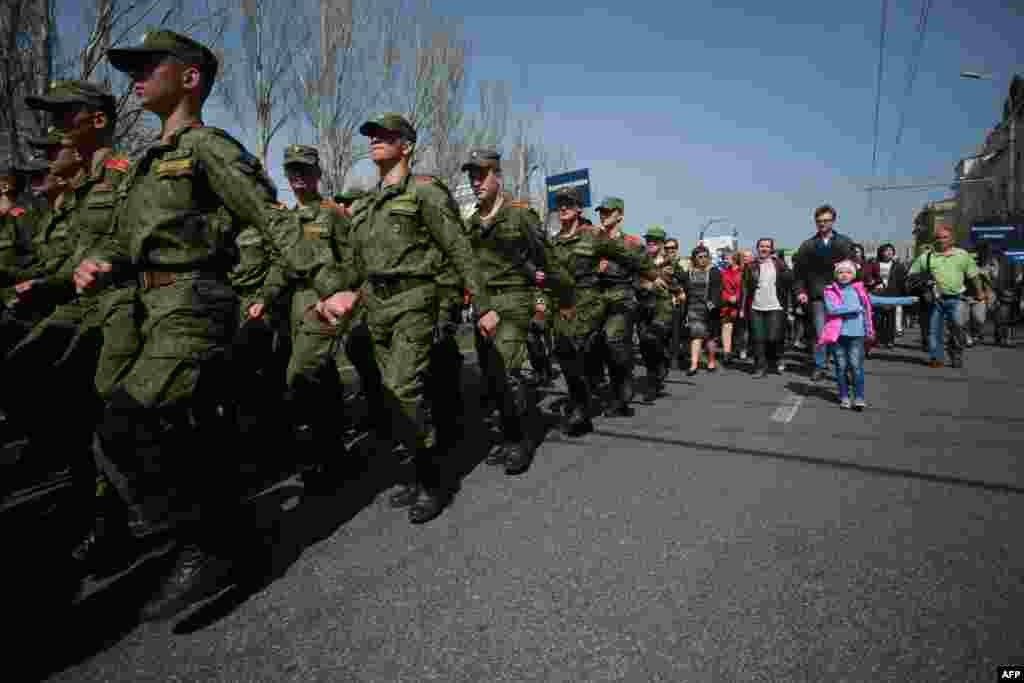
{"points": [[747, 109]]}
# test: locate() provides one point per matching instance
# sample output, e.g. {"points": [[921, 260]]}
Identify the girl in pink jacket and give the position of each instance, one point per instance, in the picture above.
{"points": [[848, 327]]}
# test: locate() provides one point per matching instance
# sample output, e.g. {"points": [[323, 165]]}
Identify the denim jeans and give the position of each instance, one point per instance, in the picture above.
{"points": [[818, 313], [849, 355], [946, 309]]}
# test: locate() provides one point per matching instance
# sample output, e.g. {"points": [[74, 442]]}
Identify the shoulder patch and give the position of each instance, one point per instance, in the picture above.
{"points": [[519, 204], [17, 212], [117, 164]]}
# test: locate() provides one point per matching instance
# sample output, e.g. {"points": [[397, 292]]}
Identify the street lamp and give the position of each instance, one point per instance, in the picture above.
{"points": [[1011, 195]]}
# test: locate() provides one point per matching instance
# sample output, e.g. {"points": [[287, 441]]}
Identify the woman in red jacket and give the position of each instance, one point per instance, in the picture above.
{"points": [[732, 277]]}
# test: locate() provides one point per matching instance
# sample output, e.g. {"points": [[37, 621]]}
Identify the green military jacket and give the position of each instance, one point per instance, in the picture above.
{"points": [[581, 252], [511, 249], [53, 242], [16, 227], [411, 230], [165, 217]]}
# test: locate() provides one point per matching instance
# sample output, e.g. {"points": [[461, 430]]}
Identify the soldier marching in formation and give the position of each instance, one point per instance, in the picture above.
{"points": [[169, 290]]}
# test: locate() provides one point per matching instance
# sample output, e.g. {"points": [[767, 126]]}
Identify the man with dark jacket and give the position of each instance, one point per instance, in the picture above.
{"points": [[813, 268]]}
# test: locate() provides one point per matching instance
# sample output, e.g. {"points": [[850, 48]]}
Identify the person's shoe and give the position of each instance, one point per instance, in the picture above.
{"points": [[619, 408], [819, 375], [859, 405], [428, 504], [957, 362], [936, 364], [579, 423], [712, 368], [844, 403], [899, 333], [743, 355], [691, 372], [518, 457], [405, 496], [196, 575], [760, 373]]}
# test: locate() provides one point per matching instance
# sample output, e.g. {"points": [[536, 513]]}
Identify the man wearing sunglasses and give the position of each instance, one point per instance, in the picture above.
{"points": [[813, 268]]}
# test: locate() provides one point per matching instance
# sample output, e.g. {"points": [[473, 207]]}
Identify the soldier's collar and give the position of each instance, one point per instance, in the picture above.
{"points": [[175, 136]]}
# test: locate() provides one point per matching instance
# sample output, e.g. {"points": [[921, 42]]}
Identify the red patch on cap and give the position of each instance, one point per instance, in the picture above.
{"points": [[117, 164], [17, 212]]}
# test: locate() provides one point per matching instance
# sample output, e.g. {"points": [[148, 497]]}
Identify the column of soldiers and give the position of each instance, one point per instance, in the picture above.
{"points": [[171, 288]]}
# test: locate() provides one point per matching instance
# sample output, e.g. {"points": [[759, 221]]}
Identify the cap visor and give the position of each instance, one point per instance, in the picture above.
{"points": [[51, 102], [124, 58], [370, 126]]}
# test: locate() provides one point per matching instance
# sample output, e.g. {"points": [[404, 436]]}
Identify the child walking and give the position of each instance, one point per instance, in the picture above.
{"points": [[848, 327]]}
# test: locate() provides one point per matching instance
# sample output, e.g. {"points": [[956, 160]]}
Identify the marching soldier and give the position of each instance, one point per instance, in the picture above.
{"points": [[175, 318], [656, 313], [507, 242], [580, 250], [402, 237], [617, 281], [313, 379], [16, 224]]}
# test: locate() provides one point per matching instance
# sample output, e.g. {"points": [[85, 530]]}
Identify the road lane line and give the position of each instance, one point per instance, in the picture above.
{"points": [[785, 412]]}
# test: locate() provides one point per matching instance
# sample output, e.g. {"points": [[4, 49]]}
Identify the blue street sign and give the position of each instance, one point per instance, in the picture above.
{"points": [[1016, 256], [993, 233], [579, 179]]}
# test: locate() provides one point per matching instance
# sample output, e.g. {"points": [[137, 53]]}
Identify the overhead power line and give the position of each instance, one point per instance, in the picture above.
{"points": [[912, 69], [878, 87]]}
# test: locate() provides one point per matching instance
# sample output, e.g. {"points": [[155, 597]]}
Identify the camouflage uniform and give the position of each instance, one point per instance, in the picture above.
{"points": [[17, 227], [602, 306], [173, 324], [655, 317], [510, 254], [312, 377], [402, 237], [64, 348]]}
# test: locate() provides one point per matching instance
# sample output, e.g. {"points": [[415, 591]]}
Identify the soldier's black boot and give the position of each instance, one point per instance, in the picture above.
{"points": [[109, 545], [519, 448], [196, 575], [622, 391], [434, 493]]}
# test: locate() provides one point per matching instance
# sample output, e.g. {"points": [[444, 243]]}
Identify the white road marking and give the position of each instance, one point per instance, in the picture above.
{"points": [[785, 412]]}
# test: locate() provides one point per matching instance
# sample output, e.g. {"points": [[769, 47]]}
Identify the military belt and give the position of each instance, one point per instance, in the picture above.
{"points": [[385, 287], [154, 279]]}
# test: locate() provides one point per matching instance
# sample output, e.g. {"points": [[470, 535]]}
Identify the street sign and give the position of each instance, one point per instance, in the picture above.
{"points": [[993, 233], [579, 179]]}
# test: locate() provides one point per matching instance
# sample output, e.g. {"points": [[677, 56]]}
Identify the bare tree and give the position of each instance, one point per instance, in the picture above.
{"points": [[344, 73], [26, 62], [258, 88], [81, 52], [528, 155]]}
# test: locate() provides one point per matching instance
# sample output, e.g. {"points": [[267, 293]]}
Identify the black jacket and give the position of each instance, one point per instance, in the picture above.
{"points": [[814, 268], [714, 287]]}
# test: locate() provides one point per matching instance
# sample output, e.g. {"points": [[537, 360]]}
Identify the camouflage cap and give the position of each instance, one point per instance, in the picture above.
{"points": [[611, 204], [483, 157], [350, 196], [65, 93], [395, 123], [656, 232], [301, 154], [568, 195], [158, 41]]}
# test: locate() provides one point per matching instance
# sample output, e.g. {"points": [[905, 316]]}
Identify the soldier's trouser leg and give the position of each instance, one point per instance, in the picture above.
{"points": [[653, 340], [315, 385], [159, 440], [445, 380], [569, 352], [618, 329], [503, 356], [53, 369], [402, 328], [359, 349], [539, 352]]}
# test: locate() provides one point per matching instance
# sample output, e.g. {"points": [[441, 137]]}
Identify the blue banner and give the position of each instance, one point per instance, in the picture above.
{"points": [[993, 233], [578, 179]]}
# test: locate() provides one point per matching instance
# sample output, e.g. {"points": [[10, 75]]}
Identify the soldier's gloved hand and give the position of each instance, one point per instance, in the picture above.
{"points": [[336, 307], [255, 311], [489, 324], [88, 272]]}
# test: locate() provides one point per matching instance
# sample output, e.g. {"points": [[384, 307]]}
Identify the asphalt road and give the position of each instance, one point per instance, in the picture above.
{"points": [[735, 530]]}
